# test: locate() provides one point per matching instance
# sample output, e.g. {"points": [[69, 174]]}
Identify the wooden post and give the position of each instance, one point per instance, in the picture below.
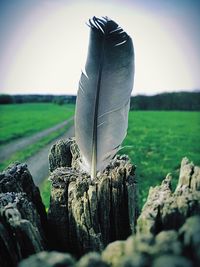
{"points": [[86, 215], [160, 239], [23, 221]]}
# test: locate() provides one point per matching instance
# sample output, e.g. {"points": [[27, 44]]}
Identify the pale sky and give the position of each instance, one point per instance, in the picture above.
{"points": [[43, 43]]}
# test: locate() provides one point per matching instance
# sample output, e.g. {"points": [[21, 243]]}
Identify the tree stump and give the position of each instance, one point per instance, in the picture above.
{"points": [[158, 241], [86, 215], [23, 218], [165, 209], [167, 233], [17, 178]]}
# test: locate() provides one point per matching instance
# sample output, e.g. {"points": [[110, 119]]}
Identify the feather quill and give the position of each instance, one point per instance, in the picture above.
{"points": [[103, 100]]}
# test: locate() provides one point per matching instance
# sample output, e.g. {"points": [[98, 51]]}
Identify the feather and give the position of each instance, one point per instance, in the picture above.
{"points": [[103, 100]]}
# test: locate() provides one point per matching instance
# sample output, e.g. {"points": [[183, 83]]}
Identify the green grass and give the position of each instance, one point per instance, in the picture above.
{"points": [[20, 120], [159, 140], [45, 193]]}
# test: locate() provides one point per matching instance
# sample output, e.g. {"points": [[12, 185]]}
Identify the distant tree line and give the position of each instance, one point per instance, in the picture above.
{"points": [[165, 101], [18, 99], [6, 99]]}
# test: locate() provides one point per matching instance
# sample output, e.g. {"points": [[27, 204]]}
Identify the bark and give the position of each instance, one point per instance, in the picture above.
{"points": [[168, 248], [158, 241], [168, 228], [85, 215], [48, 259], [17, 178], [164, 209], [60, 155], [22, 216]]}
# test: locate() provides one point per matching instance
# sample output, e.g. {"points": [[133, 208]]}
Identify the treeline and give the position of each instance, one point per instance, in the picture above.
{"points": [[18, 99], [165, 101]]}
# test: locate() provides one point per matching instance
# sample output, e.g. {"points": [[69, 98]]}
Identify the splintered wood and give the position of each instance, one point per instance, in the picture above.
{"points": [[86, 215]]}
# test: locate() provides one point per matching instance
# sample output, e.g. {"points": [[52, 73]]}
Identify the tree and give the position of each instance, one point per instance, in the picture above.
{"points": [[6, 99]]}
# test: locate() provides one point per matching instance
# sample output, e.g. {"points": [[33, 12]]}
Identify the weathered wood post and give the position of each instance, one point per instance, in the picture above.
{"points": [[23, 220], [86, 215], [167, 234]]}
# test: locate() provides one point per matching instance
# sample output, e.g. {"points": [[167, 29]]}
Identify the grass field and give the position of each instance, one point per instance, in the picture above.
{"points": [[159, 140], [20, 120]]}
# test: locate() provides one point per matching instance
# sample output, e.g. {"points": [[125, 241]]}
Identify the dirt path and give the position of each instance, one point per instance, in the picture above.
{"points": [[7, 150], [38, 164]]}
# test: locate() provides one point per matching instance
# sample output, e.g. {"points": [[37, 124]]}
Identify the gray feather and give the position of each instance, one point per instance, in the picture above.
{"points": [[101, 117]]}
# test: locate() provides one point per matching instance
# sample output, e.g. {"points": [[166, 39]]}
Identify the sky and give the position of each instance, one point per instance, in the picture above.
{"points": [[43, 43]]}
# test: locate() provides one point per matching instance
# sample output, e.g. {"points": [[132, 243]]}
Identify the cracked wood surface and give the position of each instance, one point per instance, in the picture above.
{"points": [[167, 233], [23, 221], [85, 215], [162, 245]]}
